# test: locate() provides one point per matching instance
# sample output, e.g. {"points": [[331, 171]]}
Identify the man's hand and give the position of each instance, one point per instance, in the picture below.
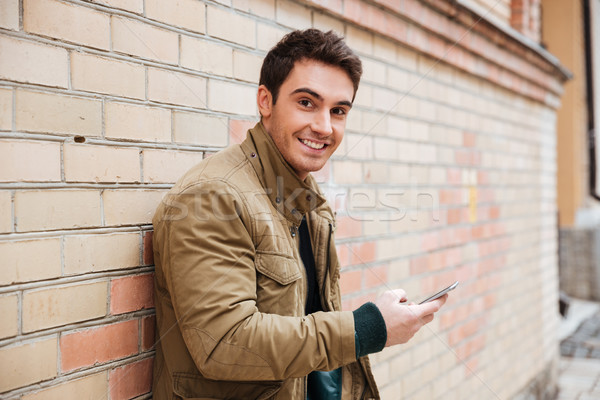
{"points": [[402, 319]]}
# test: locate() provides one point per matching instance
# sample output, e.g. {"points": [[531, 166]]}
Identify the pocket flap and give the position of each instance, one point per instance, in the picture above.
{"points": [[194, 386], [280, 268]]}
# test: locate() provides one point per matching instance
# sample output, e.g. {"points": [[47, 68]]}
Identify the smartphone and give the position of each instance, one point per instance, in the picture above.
{"points": [[440, 293]]}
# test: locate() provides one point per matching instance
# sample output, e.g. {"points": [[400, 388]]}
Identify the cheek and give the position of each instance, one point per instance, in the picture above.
{"points": [[334, 148], [339, 132]]}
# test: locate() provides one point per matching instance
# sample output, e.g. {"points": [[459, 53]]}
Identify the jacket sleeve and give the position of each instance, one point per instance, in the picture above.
{"points": [[208, 257]]}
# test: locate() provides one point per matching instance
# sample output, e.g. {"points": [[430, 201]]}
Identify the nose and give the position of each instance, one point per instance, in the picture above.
{"points": [[321, 123]]}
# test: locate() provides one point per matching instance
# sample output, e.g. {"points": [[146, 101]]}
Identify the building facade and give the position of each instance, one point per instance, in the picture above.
{"points": [[447, 172], [577, 44]]}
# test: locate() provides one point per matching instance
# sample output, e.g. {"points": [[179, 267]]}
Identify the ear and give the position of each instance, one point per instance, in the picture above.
{"points": [[264, 100]]}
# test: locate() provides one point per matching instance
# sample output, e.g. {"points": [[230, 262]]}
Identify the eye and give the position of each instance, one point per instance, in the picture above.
{"points": [[305, 103], [338, 111]]}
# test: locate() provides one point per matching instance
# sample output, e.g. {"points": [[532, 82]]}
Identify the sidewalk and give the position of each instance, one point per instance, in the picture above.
{"points": [[579, 367]]}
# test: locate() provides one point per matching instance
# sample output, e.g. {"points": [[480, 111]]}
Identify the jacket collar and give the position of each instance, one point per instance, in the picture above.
{"points": [[291, 196]]}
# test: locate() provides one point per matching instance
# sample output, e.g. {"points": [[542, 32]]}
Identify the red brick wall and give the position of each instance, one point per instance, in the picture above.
{"points": [[526, 18]]}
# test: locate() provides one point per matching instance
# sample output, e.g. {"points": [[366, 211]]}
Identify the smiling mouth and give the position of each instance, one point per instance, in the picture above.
{"points": [[313, 145]]}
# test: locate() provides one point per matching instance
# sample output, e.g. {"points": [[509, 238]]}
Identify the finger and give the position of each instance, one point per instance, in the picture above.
{"points": [[427, 319], [400, 294], [442, 300], [432, 306]]}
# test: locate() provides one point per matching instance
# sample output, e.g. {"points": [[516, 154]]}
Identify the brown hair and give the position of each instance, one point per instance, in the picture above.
{"points": [[311, 44]]}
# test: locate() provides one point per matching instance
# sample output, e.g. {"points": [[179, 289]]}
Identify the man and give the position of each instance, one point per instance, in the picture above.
{"points": [[246, 284]]}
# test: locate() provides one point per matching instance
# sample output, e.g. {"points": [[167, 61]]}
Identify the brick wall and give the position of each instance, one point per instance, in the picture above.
{"points": [[493, 9], [446, 172], [526, 17]]}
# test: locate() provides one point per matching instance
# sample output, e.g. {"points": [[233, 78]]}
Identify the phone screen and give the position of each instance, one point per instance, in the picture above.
{"points": [[440, 293]]}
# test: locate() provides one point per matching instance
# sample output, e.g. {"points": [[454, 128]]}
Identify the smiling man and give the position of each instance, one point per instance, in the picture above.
{"points": [[246, 285]]}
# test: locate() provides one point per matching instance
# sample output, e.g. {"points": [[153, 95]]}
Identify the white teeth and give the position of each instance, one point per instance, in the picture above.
{"points": [[313, 145]]}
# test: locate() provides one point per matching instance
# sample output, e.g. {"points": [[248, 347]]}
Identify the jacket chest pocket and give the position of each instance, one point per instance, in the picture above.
{"points": [[278, 284]]}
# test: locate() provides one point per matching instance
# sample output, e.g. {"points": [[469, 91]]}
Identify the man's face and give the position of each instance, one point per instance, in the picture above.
{"points": [[308, 120]]}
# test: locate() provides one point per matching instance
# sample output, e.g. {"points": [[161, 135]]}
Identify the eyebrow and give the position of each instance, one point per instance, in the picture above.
{"points": [[319, 97]]}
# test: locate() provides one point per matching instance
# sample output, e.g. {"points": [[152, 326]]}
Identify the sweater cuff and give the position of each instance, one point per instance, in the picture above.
{"points": [[370, 330]]}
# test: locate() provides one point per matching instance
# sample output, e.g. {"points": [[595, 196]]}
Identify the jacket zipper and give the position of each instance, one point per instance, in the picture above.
{"points": [[325, 304]]}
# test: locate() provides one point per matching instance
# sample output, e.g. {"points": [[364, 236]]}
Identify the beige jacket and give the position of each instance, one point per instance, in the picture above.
{"points": [[230, 286]]}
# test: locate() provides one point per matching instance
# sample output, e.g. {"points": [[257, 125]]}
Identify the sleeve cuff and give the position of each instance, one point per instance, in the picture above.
{"points": [[370, 332]]}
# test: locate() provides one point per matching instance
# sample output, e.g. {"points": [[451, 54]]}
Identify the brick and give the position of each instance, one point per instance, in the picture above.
{"points": [[90, 163], [359, 40], [98, 345], [325, 23], [205, 56], [52, 113], [67, 22], [384, 100], [143, 40], [133, 122], [29, 161], [354, 10], [264, 8], [372, 123], [293, 15], [200, 129], [386, 149], [6, 109], [131, 293], [176, 88], [30, 260], [384, 49], [376, 276], [347, 172], [9, 309], [363, 253], [47, 308], [87, 253], [267, 36], [374, 71], [406, 58], [364, 96], [91, 387], [28, 363], [136, 6], [9, 18], [129, 207], [131, 380], [347, 227], [350, 282], [56, 209], [187, 14], [6, 213], [148, 332], [359, 200], [231, 26], [148, 251], [246, 66], [231, 97], [168, 165], [102, 75], [33, 63], [357, 146], [376, 173], [334, 6], [238, 130]]}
